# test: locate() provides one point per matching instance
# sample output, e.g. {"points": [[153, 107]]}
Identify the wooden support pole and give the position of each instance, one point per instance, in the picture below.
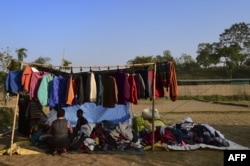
{"points": [[14, 120], [14, 124], [153, 108]]}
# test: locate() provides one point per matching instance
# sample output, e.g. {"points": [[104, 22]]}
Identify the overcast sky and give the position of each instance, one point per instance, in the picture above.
{"points": [[111, 32]]}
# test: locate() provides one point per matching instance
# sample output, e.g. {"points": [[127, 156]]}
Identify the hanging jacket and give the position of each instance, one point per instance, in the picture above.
{"points": [[44, 90], [133, 89], [35, 82], [26, 77], [122, 86], [140, 86], [58, 91], [13, 81], [172, 86], [99, 88], [70, 91], [90, 87], [159, 89], [79, 90], [110, 92]]}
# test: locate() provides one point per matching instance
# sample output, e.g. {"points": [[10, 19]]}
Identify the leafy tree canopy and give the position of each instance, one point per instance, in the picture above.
{"points": [[42, 60]]}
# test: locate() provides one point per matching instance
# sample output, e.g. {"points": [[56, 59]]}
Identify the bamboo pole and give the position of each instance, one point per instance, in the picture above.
{"points": [[14, 120], [96, 67], [14, 125], [153, 109]]}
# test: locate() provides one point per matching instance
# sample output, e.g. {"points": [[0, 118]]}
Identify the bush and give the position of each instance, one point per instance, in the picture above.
{"points": [[6, 118]]}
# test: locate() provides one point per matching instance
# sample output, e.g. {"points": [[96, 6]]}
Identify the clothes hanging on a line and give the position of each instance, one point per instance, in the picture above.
{"points": [[77, 88], [13, 81]]}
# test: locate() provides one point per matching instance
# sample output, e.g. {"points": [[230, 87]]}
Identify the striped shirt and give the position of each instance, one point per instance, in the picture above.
{"points": [[34, 110]]}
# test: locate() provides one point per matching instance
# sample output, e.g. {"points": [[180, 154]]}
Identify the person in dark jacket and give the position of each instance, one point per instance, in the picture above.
{"points": [[61, 130], [34, 114]]}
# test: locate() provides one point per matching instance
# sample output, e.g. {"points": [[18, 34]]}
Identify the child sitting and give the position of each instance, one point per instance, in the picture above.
{"points": [[36, 132]]}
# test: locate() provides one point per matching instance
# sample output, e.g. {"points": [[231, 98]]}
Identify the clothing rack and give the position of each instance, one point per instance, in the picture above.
{"points": [[90, 67]]}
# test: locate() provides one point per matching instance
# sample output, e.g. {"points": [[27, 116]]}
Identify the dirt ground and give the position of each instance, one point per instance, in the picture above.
{"points": [[232, 121]]}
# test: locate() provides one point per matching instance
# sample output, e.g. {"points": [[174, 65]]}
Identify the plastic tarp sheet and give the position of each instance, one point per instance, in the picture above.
{"points": [[96, 114]]}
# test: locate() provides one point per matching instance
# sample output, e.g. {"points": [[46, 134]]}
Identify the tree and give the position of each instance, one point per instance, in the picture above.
{"points": [[14, 65], [208, 54], [5, 59], [167, 56], [186, 63], [141, 60], [232, 55], [65, 64], [42, 60], [235, 44], [186, 59], [247, 62], [21, 53], [204, 54]]}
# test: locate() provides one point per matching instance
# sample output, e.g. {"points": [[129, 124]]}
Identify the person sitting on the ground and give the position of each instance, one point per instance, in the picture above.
{"points": [[75, 138], [38, 132], [35, 133], [60, 130], [81, 120]]}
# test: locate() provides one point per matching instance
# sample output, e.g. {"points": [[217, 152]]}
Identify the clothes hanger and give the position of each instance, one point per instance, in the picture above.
{"points": [[71, 70]]}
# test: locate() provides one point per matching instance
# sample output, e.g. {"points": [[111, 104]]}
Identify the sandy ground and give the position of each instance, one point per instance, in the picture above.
{"points": [[232, 121]]}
